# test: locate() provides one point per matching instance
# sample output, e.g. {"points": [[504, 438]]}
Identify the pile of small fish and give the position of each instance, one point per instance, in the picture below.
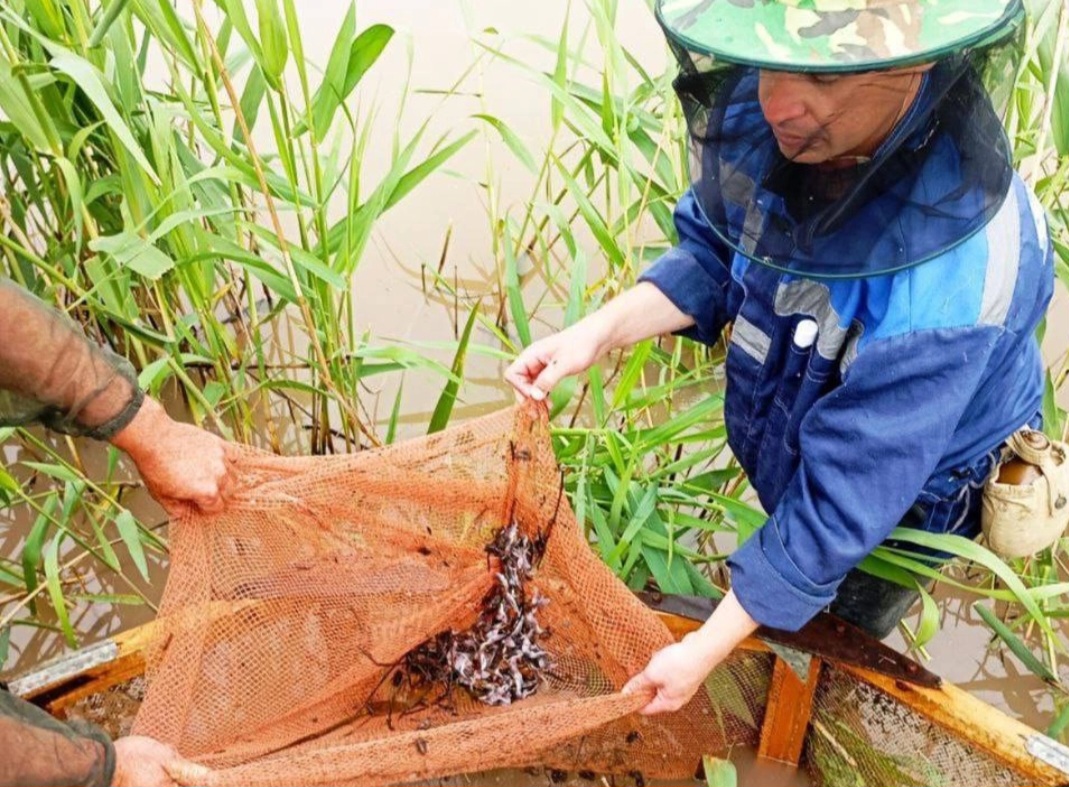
{"points": [[498, 659]]}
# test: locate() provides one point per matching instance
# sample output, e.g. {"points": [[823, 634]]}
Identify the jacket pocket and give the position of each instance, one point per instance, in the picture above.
{"points": [[797, 385], [802, 385]]}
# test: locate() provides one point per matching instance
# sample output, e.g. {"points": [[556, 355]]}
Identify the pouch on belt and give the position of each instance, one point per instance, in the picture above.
{"points": [[1026, 499]]}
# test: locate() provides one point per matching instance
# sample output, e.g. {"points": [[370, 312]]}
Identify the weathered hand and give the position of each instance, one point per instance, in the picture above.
{"points": [[183, 466], [637, 314], [145, 762], [546, 362], [675, 673]]}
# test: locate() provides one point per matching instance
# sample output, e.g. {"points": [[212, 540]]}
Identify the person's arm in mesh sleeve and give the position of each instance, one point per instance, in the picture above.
{"points": [[36, 750], [50, 372]]}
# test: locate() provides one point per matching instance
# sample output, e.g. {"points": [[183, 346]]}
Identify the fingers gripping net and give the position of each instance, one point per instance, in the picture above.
{"points": [[301, 632]]}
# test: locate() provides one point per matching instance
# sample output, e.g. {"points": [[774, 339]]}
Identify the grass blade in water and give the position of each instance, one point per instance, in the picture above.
{"points": [[1014, 643], [444, 409], [55, 589], [719, 773]]}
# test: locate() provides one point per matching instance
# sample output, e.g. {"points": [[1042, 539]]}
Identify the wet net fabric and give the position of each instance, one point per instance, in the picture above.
{"points": [[280, 655]]}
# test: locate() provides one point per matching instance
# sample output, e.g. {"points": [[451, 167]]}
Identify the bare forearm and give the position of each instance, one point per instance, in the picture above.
{"points": [[675, 673], [725, 629], [641, 312], [637, 314], [138, 437]]}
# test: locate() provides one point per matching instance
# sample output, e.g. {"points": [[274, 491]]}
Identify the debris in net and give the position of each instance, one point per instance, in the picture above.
{"points": [[498, 660]]}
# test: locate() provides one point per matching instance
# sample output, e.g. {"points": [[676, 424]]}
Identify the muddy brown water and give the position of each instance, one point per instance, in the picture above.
{"points": [[392, 305]]}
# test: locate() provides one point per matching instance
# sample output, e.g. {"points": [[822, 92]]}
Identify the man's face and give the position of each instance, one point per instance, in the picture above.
{"points": [[818, 118]]}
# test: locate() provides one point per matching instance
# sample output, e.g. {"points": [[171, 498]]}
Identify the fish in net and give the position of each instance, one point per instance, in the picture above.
{"points": [[422, 610], [433, 608]]}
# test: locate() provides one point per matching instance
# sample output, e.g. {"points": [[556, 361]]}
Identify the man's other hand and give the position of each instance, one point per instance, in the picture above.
{"points": [[184, 467], [145, 762]]}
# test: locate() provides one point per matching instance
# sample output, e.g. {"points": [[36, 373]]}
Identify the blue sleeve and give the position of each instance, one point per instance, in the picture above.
{"points": [[866, 451], [694, 274]]}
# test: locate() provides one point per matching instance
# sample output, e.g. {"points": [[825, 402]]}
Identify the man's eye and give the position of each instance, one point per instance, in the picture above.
{"points": [[825, 79]]}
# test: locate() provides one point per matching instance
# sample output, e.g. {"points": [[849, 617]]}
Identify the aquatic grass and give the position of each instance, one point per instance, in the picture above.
{"points": [[610, 174], [180, 265], [208, 254]]}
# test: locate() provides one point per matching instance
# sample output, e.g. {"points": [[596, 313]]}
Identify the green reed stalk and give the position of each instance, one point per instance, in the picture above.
{"points": [[649, 471], [154, 218]]}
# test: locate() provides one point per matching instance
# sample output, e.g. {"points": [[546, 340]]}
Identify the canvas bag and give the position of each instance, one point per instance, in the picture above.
{"points": [[1019, 520]]}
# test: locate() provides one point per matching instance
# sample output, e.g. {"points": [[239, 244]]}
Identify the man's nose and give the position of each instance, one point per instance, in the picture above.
{"points": [[781, 96]]}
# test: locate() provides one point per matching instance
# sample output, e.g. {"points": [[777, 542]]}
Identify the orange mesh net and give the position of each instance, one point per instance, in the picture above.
{"points": [[289, 623]]}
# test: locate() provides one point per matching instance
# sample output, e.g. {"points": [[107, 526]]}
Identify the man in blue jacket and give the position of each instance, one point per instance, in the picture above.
{"points": [[855, 219]]}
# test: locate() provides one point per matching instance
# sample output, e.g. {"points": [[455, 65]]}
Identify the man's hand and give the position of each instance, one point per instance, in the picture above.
{"points": [[675, 673], [546, 362], [183, 466], [145, 762], [637, 314]]}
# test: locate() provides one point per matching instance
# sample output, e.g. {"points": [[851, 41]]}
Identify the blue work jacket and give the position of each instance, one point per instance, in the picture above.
{"points": [[913, 382]]}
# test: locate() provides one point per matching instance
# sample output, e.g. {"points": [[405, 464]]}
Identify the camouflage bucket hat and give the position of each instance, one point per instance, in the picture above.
{"points": [[835, 35]]}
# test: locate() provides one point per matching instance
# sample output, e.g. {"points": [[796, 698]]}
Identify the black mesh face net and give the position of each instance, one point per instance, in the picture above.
{"points": [[862, 174]]}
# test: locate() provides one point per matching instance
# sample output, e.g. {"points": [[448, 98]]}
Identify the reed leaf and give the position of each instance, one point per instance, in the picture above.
{"points": [[718, 772], [55, 589], [131, 537], [966, 548], [1014, 643], [83, 74], [444, 408]]}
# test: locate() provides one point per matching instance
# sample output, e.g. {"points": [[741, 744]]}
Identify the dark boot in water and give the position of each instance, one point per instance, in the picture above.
{"points": [[872, 604]]}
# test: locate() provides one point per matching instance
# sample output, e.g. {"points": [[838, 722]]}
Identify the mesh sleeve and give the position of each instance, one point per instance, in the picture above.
{"points": [[50, 372], [38, 751]]}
